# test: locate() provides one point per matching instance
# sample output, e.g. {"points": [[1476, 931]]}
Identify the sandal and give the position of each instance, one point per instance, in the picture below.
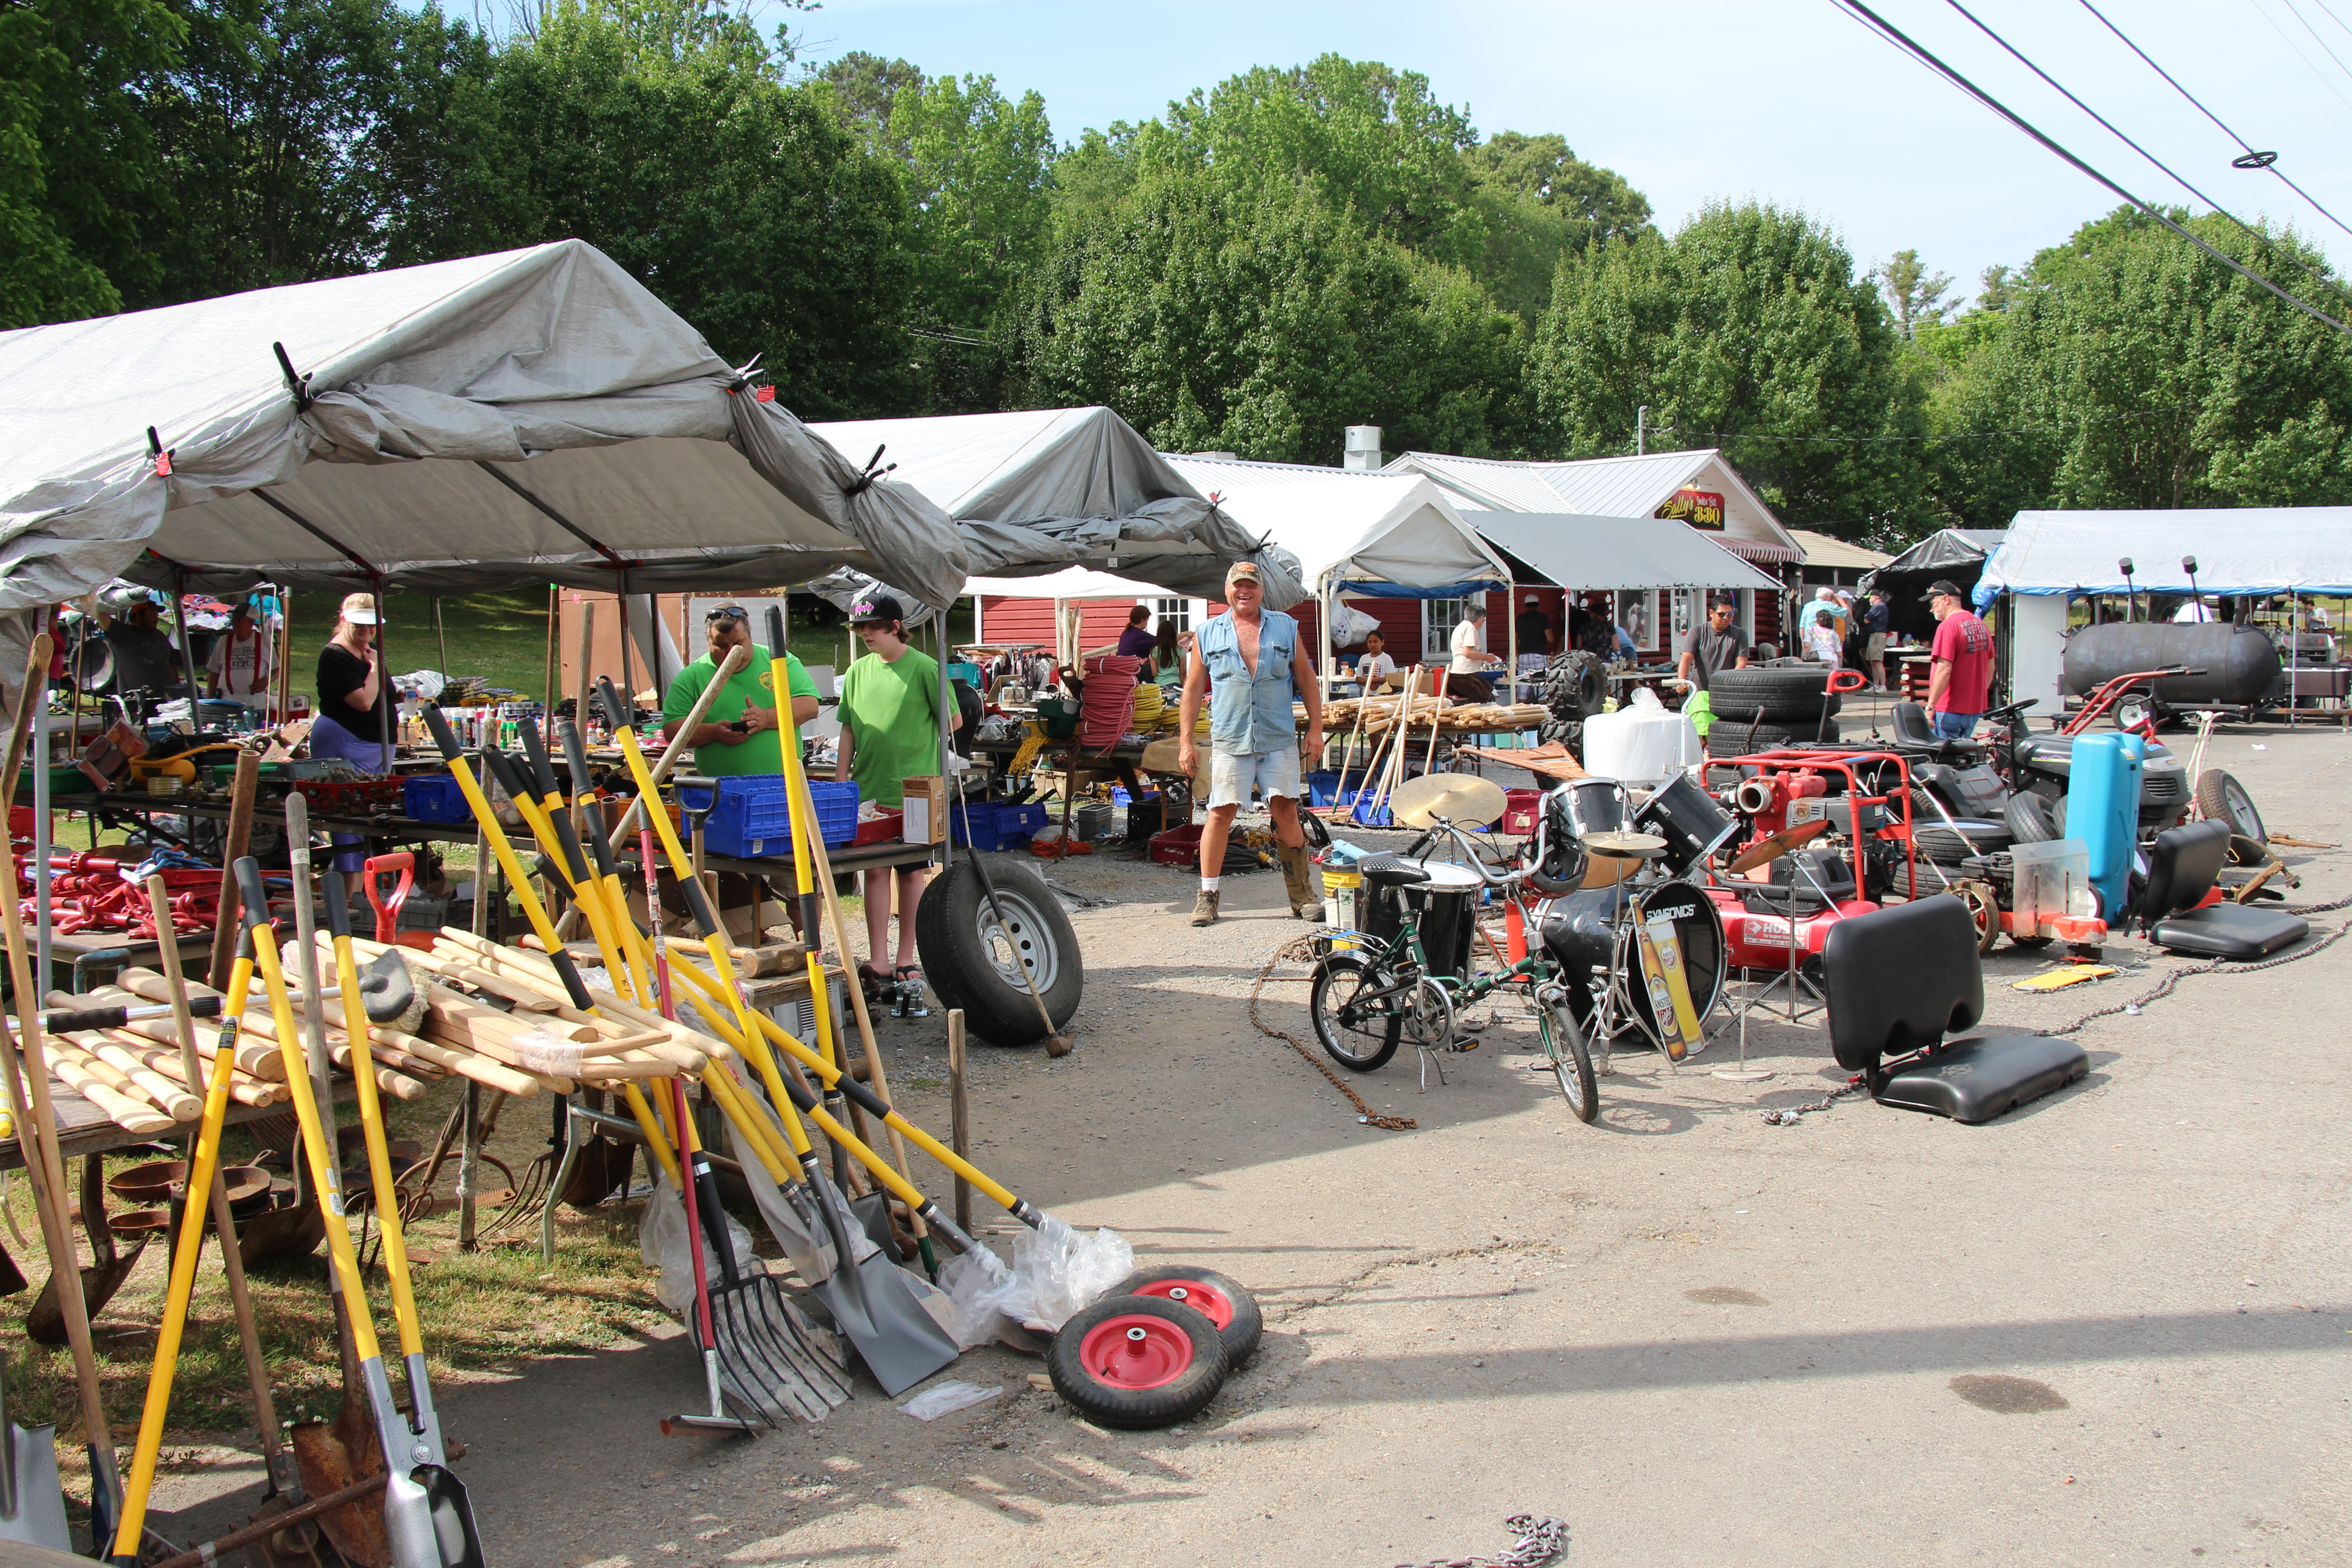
{"points": [[907, 972], [874, 982]]}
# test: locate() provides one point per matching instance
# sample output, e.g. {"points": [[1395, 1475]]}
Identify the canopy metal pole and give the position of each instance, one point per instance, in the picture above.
{"points": [[187, 644], [628, 681], [440, 634], [384, 680], [285, 653]]}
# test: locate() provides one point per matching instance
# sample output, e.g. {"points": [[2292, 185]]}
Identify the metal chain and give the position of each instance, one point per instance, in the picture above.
{"points": [[2217, 966], [1301, 949], [1790, 1115], [1543, 1540]]}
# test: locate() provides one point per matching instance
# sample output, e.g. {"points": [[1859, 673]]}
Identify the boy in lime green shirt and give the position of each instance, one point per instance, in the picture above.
{"points": [[737, 734], [890, 734]]}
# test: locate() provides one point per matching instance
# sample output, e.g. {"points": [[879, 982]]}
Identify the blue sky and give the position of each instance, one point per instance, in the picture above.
{"points": [[1789, 100]]}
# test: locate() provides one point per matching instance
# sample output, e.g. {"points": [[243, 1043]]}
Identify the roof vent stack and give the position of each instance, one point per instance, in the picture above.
{"points": [[1364, 448]]}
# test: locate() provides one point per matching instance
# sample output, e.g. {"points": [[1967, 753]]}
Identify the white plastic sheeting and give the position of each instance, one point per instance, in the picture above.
{"points": [[2238, 550], [1617, 553], [1394, 529], [520, 417], [1070, 582]]}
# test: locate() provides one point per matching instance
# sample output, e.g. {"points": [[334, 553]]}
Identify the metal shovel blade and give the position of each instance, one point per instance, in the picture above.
{"points": [[32, 1501], [431, 1519], [771, 1360], [874, 1302]]}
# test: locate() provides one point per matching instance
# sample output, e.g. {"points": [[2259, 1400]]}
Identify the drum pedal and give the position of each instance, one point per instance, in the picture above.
{"points": [[906, 1000]]}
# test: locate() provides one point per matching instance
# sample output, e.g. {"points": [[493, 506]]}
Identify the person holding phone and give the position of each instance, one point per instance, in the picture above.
{"points": [[739, 731]]}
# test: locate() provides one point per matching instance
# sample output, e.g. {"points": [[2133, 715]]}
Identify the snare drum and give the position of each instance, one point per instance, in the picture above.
{"points": [[1594, 805], [1448, 905], [1691, 821]]}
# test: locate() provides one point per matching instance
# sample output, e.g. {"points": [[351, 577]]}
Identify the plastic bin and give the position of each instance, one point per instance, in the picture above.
{"points": [[1357, 800], [1322, 787], [998, 826], [967, 673], [434, 797], [752, 817], [1091, 820], [1177, 847]]}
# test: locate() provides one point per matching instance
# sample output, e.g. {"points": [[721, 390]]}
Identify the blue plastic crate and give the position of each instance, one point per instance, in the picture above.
{"points": [[434, 797], [998, 826], [1322, 788], [753, 818], [1357, 800]]}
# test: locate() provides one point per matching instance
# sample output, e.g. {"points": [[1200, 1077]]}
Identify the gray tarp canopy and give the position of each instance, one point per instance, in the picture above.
{"points": [[530, 417], [1946, 549], [1039, 489], [1581, 554]]}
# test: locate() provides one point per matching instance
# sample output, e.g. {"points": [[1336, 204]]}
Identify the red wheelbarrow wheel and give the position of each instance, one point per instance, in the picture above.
{"points": [[1137, 1361], [1217, 1296]]}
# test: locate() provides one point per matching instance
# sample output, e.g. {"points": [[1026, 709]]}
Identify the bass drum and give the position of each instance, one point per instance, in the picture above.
{"points": [[1591, 933]]}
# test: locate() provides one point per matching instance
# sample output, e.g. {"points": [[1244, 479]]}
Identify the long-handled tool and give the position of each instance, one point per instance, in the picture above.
{"points": [[44, 1167], [707, 1330], [425, 1511], [420, 1483]]}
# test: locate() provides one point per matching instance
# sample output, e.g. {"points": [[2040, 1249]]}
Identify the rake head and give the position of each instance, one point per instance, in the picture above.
{"points": [[771, 1360]]}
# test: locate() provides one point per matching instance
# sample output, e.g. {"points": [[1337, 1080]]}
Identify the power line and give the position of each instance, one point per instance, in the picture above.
{"points": [[2297, 48], [2315, 38], [1905, 42], [2253, 159], [2059, 429]]}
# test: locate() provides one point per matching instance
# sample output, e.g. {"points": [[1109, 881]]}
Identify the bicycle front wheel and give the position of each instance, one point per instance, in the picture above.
{"points": [[1571, 1064], [1358, 1027]]}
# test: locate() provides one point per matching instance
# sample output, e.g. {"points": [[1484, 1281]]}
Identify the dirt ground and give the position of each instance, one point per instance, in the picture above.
{"points": [[2112, 1326]]}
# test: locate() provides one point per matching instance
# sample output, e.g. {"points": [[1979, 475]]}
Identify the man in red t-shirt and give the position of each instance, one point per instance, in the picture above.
{"points": [[1959, 685]]}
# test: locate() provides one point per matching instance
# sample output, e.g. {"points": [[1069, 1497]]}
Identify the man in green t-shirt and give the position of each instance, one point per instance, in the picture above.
{"points": [[738, 730], [890, 734]]}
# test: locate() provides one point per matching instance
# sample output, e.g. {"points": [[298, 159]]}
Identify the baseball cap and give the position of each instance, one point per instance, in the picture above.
{"points": [[1244, 572], [1530, 599], [880, 607], [1941, 586]]}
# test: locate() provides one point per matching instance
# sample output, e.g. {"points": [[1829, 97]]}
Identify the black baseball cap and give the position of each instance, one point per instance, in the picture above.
{"points": [[880, 607], [1941, 586]]}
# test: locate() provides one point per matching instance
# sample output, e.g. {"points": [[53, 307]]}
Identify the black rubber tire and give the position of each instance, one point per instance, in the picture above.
{"points": [[2029, 819], [1801, 687], [1134, 1409], [2244, 851], [1572, 1063], [2221, 798], [1241, 1334], [1796, 715], [962, 964], [1736, 737], [1945, 847], [1575, 685], [1322, 1006]]}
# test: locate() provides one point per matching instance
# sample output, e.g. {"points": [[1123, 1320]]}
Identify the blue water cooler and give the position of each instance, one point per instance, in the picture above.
{"points": [[2103, 811]]}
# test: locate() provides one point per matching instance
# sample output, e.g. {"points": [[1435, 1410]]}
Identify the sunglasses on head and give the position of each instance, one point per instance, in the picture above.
{"points": [[729, 613]]}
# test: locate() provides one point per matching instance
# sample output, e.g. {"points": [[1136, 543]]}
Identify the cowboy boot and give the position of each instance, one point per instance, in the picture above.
{"points": [[1298, 878]]}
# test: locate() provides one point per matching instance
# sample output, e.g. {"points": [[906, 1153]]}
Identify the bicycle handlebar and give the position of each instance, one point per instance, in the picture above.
{"points": [[1503, 880]]}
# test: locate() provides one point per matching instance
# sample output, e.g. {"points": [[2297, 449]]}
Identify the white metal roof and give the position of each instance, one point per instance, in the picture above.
{"points": [[1617, 553], [1611, 487]]}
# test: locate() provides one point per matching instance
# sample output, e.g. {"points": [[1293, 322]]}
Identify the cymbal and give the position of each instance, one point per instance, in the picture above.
{"points": [[1625, 845], [1764, 851], [1458, 798]]}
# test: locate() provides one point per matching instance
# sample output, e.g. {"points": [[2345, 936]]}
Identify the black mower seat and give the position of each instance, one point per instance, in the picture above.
{"points": [[2183, 866], [1912, 730], [1391, 871], [1896, 982]]}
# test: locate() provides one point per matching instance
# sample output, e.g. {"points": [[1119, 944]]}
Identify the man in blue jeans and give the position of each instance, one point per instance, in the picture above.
{"points": [[1961, 677]]}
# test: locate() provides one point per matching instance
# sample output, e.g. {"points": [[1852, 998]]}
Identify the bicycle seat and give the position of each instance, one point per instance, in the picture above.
{"points": [[1391, 871]]}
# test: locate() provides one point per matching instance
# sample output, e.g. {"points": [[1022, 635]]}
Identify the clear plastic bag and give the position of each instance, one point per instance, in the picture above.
{"points": [[662, 1243], [1055, 1271], [945, 1398]]}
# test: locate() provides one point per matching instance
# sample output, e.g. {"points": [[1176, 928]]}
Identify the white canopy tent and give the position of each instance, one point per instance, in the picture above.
{"points": [[1389, 535], [1616, 553], [2238, 550]]}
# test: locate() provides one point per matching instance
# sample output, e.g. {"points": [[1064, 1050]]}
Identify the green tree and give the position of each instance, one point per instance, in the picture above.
{"points": [[2143, 374], [75, 161], [739, 201], [1540, 204], [1265, 323], [1749, 323], [1915, 295]]}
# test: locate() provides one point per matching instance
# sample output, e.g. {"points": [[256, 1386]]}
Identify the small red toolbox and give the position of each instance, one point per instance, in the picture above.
{"points": [[886, 828], [1520, 807], [1177, 847]]}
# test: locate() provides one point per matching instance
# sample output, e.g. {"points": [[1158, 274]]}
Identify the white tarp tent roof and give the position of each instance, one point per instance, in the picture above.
{"points": [[1617, 553], [1613, 486], [2238, 550], [1070, 582], [1036, 490], [584, 434], [1393, 530]]}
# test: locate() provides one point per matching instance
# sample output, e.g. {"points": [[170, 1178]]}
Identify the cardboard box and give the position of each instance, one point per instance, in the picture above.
{"points": [[927, 810]]}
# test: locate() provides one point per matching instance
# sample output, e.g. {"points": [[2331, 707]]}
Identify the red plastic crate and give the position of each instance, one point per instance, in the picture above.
{"points": [[1177, 847], [1520, 807], [887, 829]]}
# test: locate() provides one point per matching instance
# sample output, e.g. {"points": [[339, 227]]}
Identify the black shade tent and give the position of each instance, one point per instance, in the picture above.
{"points": [[1956, 554]]}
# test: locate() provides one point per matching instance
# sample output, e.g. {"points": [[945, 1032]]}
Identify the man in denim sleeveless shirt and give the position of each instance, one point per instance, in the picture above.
{"points": [[1248, 662]]}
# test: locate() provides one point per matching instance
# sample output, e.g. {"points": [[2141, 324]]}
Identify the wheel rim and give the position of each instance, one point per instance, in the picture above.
{"points": [[2243, 818], [1350, 1022], [1199, 1294], [1432, 1020], [1024, 936], [1134, 1349], [1564, 1059]]}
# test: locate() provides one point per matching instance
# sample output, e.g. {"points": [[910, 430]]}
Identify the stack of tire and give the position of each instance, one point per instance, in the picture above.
{"points": [[1766, 706], [1575, 685], [1156, 1349]]}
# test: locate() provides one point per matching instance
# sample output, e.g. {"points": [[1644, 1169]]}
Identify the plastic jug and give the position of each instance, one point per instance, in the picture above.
{"points": [[1641, 743]]}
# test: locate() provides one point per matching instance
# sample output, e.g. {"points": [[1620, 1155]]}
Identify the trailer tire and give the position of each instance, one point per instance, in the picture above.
{"points": [[1178, 1367], [1218, 1297], [969, 959]]}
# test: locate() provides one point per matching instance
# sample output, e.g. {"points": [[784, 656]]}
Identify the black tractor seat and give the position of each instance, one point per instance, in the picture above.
{"points": [[2183, 866], [1913, 732], [1391, 871]]}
